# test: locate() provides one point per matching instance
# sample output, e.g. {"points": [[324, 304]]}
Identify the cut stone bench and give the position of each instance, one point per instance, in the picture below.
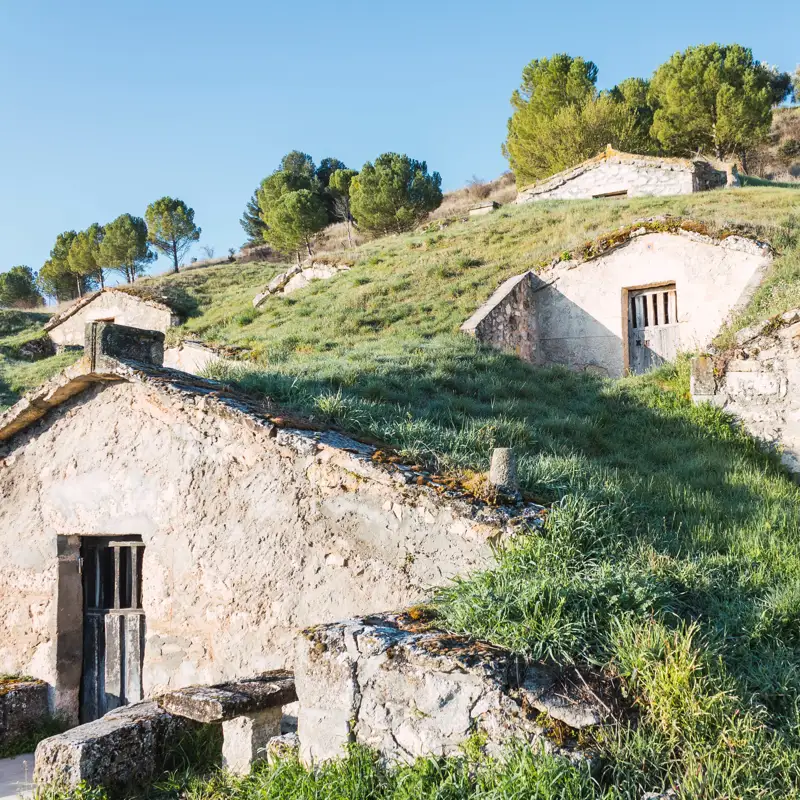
{"points": [[250, 712], [127, 747]]}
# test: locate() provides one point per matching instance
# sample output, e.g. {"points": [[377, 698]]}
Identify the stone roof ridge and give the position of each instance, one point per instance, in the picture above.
{"points": [[609, 154], [84, 301], [362, 459]]}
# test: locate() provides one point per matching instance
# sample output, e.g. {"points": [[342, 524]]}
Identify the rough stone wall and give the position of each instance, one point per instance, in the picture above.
{"points": [[408, 691], [577, 317], [250, 532], [759, 384], [637, 177], [123, 308], [507, 319]]}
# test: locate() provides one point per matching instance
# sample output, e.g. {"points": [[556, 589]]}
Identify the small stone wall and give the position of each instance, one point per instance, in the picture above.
{"points": [[398, 686], [298, 277], [759, 383], [507, 320], [613, 173], [23, 707]]}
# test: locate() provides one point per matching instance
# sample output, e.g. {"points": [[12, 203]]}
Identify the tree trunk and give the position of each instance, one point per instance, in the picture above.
{"points": [[78, 284], [102, 279], [349, 236], [308, 247], [744, 161], [297, 253], [175, 255]]}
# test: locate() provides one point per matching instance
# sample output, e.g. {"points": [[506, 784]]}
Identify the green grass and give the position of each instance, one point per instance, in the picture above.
{"points": [[671, 556], [752, 181]]}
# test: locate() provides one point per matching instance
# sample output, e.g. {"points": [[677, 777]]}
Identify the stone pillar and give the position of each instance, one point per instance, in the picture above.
{"points": [[244, 739], [503, 472], [68, 634], [703, 382]]}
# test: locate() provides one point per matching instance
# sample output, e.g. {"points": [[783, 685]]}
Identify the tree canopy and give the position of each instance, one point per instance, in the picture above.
{"points": [[710, 98], [714, 98], [18, 288], [394, 193], [251, 221], [339, 189], [171, 228], [124, 248], [294, 218], [55, 277], [560, 118], [83, 255]]}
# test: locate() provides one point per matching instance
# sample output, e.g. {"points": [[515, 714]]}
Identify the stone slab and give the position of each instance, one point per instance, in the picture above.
{"points": [[126, 747], [226, 701]]}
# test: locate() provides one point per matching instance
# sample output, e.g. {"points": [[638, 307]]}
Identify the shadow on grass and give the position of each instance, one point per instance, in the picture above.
{"points": [[694, 520]]}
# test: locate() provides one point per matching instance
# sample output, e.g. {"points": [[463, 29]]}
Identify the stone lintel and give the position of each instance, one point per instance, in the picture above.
{"points": [[227, 701]]}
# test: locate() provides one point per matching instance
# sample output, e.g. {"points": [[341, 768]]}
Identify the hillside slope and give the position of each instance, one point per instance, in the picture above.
{"points": [[671, 557]]}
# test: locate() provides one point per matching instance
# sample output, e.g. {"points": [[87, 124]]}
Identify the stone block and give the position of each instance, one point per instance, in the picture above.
{"points": [[23, 706], [392, 684], [107, 340], [229, 700], [245, 738], [127, 747]]}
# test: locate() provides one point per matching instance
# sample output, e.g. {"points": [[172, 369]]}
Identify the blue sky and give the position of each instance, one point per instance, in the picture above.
{"points": [[107, 106]]}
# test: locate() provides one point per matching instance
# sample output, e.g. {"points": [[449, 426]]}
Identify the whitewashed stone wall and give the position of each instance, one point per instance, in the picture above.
{"points": [[251, 532], [638, 176], [121, 307], [576, 315], [759, 384], [189, 356]]}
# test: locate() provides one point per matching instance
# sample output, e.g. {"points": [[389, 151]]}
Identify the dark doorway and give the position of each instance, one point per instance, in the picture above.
{"points": [[113, 624], [653, 332]]}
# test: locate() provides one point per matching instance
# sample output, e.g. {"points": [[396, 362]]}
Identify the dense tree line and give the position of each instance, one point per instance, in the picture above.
{"points": [[711, 99], [299, 199], [81, 261]]}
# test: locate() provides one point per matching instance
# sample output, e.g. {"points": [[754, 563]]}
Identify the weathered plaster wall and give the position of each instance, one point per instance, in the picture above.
{"points": [[188, 356], [577, 316], [119, 306], [760, 384], [250, 533]]}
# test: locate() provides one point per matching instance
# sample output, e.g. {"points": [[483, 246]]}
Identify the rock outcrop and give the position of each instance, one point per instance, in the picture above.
{"points": [[299, 276]]}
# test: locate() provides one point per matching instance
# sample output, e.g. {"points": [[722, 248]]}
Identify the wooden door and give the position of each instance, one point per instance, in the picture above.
{"points": [[113, 624], [653, 332]]}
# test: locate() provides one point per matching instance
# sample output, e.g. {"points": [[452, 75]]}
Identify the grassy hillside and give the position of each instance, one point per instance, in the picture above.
{"points": [[671, 557]]}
